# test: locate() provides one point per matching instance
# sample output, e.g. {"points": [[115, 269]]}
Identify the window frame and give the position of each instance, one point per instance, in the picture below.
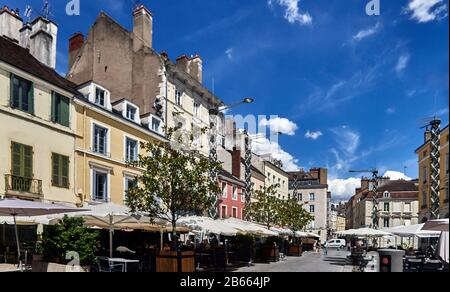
{"points": [[30, 99], [126, 154], [133, 112], [107, 139], [312, 209], [178, 97], [22, 160], [60, 175], [56, 112], [126, 179], [105, 172], [224, 195], [234, 195], [105, 100]]}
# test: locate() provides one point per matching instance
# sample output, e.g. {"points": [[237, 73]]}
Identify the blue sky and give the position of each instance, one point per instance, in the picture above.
{"points": [[351, 90]]}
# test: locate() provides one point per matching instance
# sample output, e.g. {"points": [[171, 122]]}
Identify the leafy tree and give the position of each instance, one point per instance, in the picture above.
{"points": [[70, 234], [175, 181], [294, 216], [266, 207]]}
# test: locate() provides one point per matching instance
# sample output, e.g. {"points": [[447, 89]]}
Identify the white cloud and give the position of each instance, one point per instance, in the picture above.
{"points": [[229, 53], [292, 11], [402, 63], [343, 189], [390, 110], [313, 135], [367, 32], [279, 125], [347, 139], [424, 11], [395, 175], [442, 112], [264, 146]]}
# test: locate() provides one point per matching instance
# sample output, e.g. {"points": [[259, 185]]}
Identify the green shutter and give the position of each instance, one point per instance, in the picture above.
{"points": [[31, 98], [65, 171], [53, 117], [28, 161], [64, 113], [16, 158], [11, 91], [55, 169]]}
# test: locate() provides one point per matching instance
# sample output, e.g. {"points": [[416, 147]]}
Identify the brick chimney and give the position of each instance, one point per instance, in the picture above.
{"points": [[76, 42], [196, 68], [10, 23], [183, 63], [236, 163], [142, 28]]}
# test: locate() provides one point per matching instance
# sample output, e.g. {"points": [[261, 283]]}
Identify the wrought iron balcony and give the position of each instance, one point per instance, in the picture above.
{"points": [[25, 186]]}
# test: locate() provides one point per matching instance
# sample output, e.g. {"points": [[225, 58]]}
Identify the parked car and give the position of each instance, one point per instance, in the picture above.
{"points": [[335, 243]]}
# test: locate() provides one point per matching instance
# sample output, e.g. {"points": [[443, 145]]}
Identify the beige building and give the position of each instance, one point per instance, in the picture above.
{"points": [[37, 120], [423, 153], [312, 192], [109, 137], [123, 61], [274, 174], [398, 205]]}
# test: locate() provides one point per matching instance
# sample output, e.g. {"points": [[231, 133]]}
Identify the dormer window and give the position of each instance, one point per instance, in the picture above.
{"points": [[100, 96], [131, 112], [386, 194], [155, 124]]}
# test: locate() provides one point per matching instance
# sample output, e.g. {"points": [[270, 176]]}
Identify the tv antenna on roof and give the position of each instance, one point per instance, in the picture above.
{"points": [[46, 11]]}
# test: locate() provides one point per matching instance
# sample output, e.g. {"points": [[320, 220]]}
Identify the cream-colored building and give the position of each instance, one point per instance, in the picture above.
{"points": [[109, 137], [275, 175], [37, 122], [423, 153]]}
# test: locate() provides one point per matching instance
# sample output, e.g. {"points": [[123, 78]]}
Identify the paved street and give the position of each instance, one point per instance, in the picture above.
{"points": [[309, 262]]}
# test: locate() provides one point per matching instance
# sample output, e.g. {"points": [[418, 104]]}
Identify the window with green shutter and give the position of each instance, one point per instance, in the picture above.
{"points": [[60, 171], [21, 160], [60, 109], [22, 95]]}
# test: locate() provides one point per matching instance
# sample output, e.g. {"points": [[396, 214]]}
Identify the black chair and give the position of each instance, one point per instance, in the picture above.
{"points": [[104, 265], [432, 266]]}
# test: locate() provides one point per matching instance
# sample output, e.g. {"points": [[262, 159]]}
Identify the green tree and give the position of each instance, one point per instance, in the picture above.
{"points": [[68, 235], [266, 207], [175, 182], [294, 216]]}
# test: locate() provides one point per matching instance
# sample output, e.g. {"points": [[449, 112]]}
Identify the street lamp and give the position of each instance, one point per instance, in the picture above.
{"points": [[213, 113]]}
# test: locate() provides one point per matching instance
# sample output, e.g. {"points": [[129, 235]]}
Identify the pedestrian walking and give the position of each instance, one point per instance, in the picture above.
{"points": [[325, 249], [318, 247]]}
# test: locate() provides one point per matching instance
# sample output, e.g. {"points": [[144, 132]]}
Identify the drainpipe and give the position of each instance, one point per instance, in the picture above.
{"points": [[83, 195]]}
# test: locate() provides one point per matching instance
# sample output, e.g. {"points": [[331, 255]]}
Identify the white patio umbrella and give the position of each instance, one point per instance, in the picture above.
{"points": [[443, 246], [112, 217], [413, 230], [250, 227], [365, 232], [208, 225], [14, 208]]}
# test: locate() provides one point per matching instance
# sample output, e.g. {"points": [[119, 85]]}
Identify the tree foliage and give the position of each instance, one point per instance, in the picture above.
{"points": [[294, 216], [175, 181], [266, 207], [68, 235]]}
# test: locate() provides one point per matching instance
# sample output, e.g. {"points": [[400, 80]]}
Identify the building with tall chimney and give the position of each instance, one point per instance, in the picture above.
{"points": [[423, 153], [168, 93]]}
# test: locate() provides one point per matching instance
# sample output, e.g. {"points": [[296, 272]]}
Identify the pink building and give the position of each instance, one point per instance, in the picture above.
{"points": [[231, 200]]}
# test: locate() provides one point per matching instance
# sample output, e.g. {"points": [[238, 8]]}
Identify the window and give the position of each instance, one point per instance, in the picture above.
{"points": [[178, 97], [300, 197], [274, 178], [425, 174], [312, 209], [130, 183], [407, 222], [224, 190], [60, 109], [60, 171], [131, 150], [424, 199], [312, 197], [284, 184], [196, 109], [131, 112], [224, 212], [268, 176], [156, 124], [100, 140], [22, 96], [100, 186], [100, 96], [235, 194], [386, 195], [386, 207], [21, 160], [407, 208], [386, 223], [235, 211], [242, 197]]}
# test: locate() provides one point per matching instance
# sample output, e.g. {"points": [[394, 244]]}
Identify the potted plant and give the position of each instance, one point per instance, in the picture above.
{"points": [[69, 243]]}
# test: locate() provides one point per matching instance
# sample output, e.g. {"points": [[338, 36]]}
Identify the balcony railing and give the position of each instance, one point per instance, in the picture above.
{"points": [[21, 184]]}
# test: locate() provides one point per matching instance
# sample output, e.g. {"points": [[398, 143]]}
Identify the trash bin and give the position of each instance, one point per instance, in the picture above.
{"points": [[391, 260]]}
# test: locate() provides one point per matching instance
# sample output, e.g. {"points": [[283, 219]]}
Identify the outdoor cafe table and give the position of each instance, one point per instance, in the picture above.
{"points": [[125, 262]]}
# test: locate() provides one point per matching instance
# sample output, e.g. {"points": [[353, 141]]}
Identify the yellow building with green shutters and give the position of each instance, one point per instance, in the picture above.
{"points": [[37, 122]]}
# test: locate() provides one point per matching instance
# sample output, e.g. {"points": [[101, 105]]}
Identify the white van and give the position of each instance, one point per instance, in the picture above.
{"points": [[335, 243]]}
